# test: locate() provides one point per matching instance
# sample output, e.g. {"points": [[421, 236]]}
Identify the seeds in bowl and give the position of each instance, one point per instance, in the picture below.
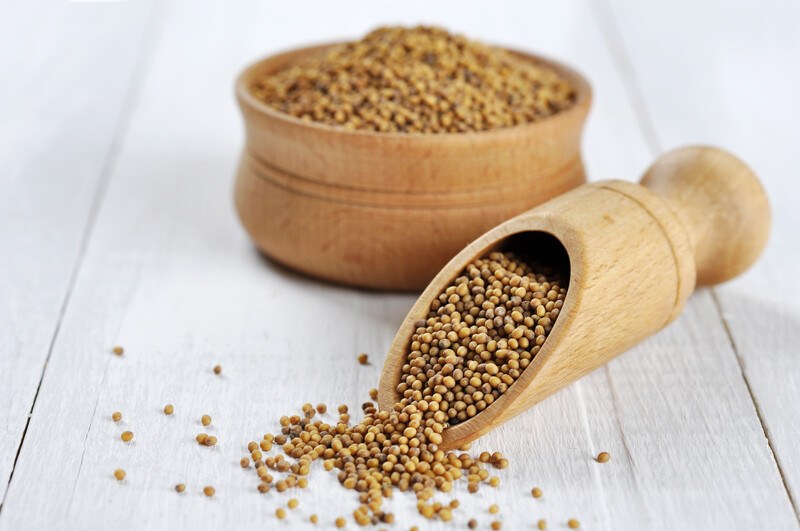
{"points": [[415, 80]]}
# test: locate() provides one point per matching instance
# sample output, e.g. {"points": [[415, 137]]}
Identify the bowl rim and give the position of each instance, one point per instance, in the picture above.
{"points": [[246, 99]]}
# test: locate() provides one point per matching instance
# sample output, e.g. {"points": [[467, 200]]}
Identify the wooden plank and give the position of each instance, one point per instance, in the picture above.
{"points": [[66, 70], [728, 76], [170, 275]]}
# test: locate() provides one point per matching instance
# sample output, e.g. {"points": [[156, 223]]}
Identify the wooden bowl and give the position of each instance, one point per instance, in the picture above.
{"points": [[388, 210]]}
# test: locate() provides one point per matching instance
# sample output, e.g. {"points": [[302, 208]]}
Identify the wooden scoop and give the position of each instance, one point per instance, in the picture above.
{"points": [[634, 253]]}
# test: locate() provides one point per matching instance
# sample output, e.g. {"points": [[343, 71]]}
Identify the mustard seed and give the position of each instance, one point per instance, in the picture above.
{"points": [[209, 491], [313, 519], [119, 474], [205, 420], [169, 409], [413, 80], [603, 457], [541, 524], [573, 523], [119, 351], [536, 492], [201, 438], [494, 509], [497, 525], [263, 488], [472, 524], [363, 359], [210, 441], [180, 487], [217, 369], [280, 512], [494, 481], [116, 416], [373, 394], [321, 408], [340, 522], [244, 462], [126, 436], [292, 504]]}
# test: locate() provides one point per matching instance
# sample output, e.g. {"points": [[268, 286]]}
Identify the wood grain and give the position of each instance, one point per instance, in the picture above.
{"points": [[707, 53], [66, 79], [169, 274]]}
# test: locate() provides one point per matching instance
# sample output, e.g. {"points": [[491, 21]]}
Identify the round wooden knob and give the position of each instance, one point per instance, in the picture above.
{"points": [[720, 202]]}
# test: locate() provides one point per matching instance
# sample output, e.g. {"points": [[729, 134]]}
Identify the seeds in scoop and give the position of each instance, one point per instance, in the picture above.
{"points": [[415, 80], [119, 474], [341, 522], [363, 359], [180, 487], [206, 420], [603, 457], [541, 524], [217, 369], [455, 361], [119, 351], [292, 504], [126, 436], [536, 492], [169, 409], [116, 416], [573, 523], [209, 491]]}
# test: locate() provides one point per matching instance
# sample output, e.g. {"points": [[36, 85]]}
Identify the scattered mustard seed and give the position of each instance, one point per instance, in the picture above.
{"points": [[472, 524], [217, 369], [169, 409], [494, 509], [119, 351], [541, 524], [119, 474], [340, 522], [126, 436], [573, 523], [603, 457], [496, 525], [494, 481], [116, 416], [313, 519], [280, 512], [321, 408], [180, 487], [292, 504], [244, 462], [373, 394], [209, 491], [363, 358], [536, 492], [206, 420], [201, 438], [210, 441]]}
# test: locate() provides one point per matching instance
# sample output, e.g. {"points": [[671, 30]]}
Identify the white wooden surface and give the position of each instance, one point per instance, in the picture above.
{"points": [[701, 420]]}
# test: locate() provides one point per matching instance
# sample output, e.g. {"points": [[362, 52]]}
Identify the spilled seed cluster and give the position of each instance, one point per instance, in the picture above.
{"points": [[481, 333], [415, 80]]}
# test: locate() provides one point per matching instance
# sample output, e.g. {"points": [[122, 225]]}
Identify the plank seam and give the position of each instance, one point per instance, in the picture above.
{"points": [[595, 471], [130, 100], [764, 428]]}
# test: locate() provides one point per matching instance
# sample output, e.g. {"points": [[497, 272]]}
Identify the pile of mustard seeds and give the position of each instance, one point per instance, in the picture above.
{"points": [[481, 333], [415, 80]]}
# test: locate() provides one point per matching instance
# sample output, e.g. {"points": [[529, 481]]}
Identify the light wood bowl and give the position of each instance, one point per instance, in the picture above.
{"points": [[388, 210]]}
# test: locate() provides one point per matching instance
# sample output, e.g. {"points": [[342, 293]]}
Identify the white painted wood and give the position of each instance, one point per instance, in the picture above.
{"points": [[170, 275], [66, 69], [730, 76]]}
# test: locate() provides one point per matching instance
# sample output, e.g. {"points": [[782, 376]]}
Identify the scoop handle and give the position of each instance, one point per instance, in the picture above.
{"points": [[720, 202]]}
